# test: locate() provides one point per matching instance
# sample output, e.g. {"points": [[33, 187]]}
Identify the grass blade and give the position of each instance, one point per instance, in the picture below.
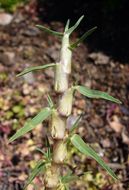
{"points": [[42, 115], [41, 151], [50, 102], [70, 30], [84, 36], [30, 69], [38, 168], [49, 31], [96, 94], [87, 150], [67, 25]]}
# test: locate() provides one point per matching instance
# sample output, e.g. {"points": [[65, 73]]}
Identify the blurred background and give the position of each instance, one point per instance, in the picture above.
{"points": [[101, 62], [111, 17]]}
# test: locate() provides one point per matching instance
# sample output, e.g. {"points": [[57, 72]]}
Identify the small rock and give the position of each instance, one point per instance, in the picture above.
{"points": [[106, 143], [32, 110], [19, 17], [2, 68], [31, 32], [28, 52], [7, 58], [99, 58], [88, 83], [80, 104], [5, 19], [26, 89], [43, 88], [96, 121], [82, 131]]}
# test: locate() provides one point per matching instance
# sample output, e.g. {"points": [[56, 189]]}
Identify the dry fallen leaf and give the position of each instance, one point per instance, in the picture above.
{"points": [[22, 177], [115, 124]]}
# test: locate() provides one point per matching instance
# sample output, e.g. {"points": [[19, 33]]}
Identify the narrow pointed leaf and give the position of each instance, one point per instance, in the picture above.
{"points": [[42, 115], [49, 31], [87, 150], [41, 151], [96, 94], [70, 30], [30, 69], [66, 187], [38, 168], [48, 153], [67, 25], [84, 36], [50, 102]]}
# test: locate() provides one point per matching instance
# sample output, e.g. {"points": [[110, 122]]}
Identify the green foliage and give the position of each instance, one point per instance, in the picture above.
{"points": [[70, 30], [88, 151], [47, 154], [49, 31], [96, 94], [84, 36], [39, 118], [30, 69], [66, 180], [67, 25], [50, 102], [11, 5], [40, 166]]}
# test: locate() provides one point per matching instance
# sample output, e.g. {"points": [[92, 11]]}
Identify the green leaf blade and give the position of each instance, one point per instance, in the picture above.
{"points": [[67, 25], [70, 30], [88, 151], [30, 69], [49, 31], [37, 169], [50, 102], [84, 36], [96, 94], [39, 118]]}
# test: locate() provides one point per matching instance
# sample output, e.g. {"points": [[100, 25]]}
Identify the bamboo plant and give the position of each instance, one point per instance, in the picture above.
{"points": [[61, 135]]}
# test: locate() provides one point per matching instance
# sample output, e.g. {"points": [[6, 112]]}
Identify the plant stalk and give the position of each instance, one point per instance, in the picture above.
{"points": [[59, 116]]}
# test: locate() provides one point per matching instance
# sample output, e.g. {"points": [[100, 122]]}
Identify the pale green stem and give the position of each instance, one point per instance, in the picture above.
{"points": [[58, 123], [66, 54], [63, 68]]}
